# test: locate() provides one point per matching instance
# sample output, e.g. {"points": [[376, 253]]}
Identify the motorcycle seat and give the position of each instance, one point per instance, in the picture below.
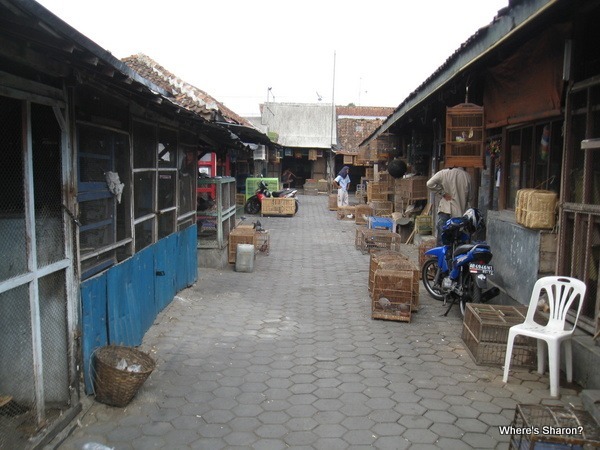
{"points": [[462, 249], [282, 192]]}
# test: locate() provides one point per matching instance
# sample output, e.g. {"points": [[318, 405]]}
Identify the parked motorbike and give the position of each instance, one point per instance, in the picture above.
{"points": [[253, 204], [458, 270]]}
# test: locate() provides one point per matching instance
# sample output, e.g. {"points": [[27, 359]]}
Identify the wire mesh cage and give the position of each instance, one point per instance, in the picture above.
{"points": [[393, 260], [362, 214], [411, 188], [485, 333], [368, 240], [382, 208], [553, 427], [392, 294], [36, 349], [346, 213]]}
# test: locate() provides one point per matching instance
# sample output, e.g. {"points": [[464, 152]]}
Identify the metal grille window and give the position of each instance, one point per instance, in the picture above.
{"points": [[101, 150], [579, 243], [36, 277], [534, 158]]}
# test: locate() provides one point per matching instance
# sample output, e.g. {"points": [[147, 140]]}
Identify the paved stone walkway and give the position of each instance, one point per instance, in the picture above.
{"points": [[288, 357]]}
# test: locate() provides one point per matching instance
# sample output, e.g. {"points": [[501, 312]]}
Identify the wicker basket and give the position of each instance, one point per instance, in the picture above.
{"points": [[116, 387], [536, 208]]}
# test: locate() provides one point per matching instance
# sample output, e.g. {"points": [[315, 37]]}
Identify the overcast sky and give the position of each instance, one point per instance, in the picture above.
{"points": [[235, 50]]}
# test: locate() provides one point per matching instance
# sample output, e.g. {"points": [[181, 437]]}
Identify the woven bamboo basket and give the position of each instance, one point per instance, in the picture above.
{"points": [[536, 208], [116, 387]]}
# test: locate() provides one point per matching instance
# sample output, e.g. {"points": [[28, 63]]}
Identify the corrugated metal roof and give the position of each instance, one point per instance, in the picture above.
{"points": [[307, 125], [486, 38]]}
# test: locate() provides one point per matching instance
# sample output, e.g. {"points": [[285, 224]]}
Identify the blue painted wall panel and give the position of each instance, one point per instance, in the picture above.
{"points": [[166, 271], [93, 322], [120, 305], [124, 325], [187, 262], [143, 281]]}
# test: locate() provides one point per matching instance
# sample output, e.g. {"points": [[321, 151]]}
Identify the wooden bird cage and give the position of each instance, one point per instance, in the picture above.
{"points": [[464, 136]]}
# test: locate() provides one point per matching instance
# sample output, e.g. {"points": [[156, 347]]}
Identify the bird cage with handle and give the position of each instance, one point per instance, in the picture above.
{"points": [[464, 136]]}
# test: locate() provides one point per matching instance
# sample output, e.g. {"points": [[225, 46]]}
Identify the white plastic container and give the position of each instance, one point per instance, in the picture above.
{"points": [[244, 258]]}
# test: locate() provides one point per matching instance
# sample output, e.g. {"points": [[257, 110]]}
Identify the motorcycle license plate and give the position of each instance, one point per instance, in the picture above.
{"points": [[481, 268]]}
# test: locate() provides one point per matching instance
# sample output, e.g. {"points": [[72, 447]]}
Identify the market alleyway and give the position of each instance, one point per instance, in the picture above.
{"points": [[288, 357]]}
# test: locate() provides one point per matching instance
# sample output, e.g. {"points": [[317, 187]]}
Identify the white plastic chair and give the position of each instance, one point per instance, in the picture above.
{"points": [[562, 292]]}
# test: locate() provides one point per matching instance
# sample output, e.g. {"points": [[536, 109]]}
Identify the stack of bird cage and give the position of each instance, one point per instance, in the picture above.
{"points": [[377, 191], [346, 213], [390, 261], [392, 291], [553, 427], [363, 212], [310, 187], [382, 208], [333, 206], [242, 234], [368, 240], [425, 245]]}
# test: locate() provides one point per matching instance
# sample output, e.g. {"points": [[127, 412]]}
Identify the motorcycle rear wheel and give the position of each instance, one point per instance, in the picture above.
{"points": [[474, 293], [429, 274], [252, 205]]}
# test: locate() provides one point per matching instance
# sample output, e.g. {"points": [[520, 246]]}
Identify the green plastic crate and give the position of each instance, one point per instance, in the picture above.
{"points": [[252, 185]]}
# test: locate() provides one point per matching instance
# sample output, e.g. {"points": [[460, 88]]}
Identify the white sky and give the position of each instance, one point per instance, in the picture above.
{"points": [[236, 49]]}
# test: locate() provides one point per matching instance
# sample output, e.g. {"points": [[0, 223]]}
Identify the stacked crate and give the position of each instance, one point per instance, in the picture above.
{"points": [[409, 190], [392, 293], [382, 208], [240, 235], [333, 202], [553, 427], [376, 191], [395, 261], [485, 333], [362, 214], [344, 211], [423, 247], [423, 224], [322, 186], [310, 187], [368, 240], [272, 206]]}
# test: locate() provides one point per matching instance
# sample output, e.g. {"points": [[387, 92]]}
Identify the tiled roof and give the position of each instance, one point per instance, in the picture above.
{"points": [[352, 131], [185, 95], [364, 111]]}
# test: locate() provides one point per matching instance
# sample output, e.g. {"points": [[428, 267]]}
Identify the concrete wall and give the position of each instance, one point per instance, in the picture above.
{"points": [[516, 255]]}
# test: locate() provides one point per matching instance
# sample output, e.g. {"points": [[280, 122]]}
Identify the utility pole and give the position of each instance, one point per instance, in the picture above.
{"points": [[333, 124]]}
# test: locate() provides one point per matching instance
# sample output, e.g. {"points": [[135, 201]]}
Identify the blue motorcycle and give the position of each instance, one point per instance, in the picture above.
{"points": [[457, 271]]}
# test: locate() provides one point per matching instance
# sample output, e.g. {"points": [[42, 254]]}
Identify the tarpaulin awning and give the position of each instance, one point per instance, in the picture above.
{"points": [[514, 93]]}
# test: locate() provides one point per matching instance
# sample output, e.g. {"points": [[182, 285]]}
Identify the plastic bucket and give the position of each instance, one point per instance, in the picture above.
{"points": [[244, 258]]}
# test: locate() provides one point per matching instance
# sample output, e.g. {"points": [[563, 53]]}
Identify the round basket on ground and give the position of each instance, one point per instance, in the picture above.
{"points": [[119, 373]]}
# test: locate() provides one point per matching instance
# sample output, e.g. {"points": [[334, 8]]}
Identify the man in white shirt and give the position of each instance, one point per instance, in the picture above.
{"points": [[342, 182], [454, 186]]}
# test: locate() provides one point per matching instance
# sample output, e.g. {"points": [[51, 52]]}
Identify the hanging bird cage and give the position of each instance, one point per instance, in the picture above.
{"points": [[464, 136]]}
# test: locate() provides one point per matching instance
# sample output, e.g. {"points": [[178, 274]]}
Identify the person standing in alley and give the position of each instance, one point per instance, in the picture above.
{"points": [[454, 186], [342, 182], [286, 178]]}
